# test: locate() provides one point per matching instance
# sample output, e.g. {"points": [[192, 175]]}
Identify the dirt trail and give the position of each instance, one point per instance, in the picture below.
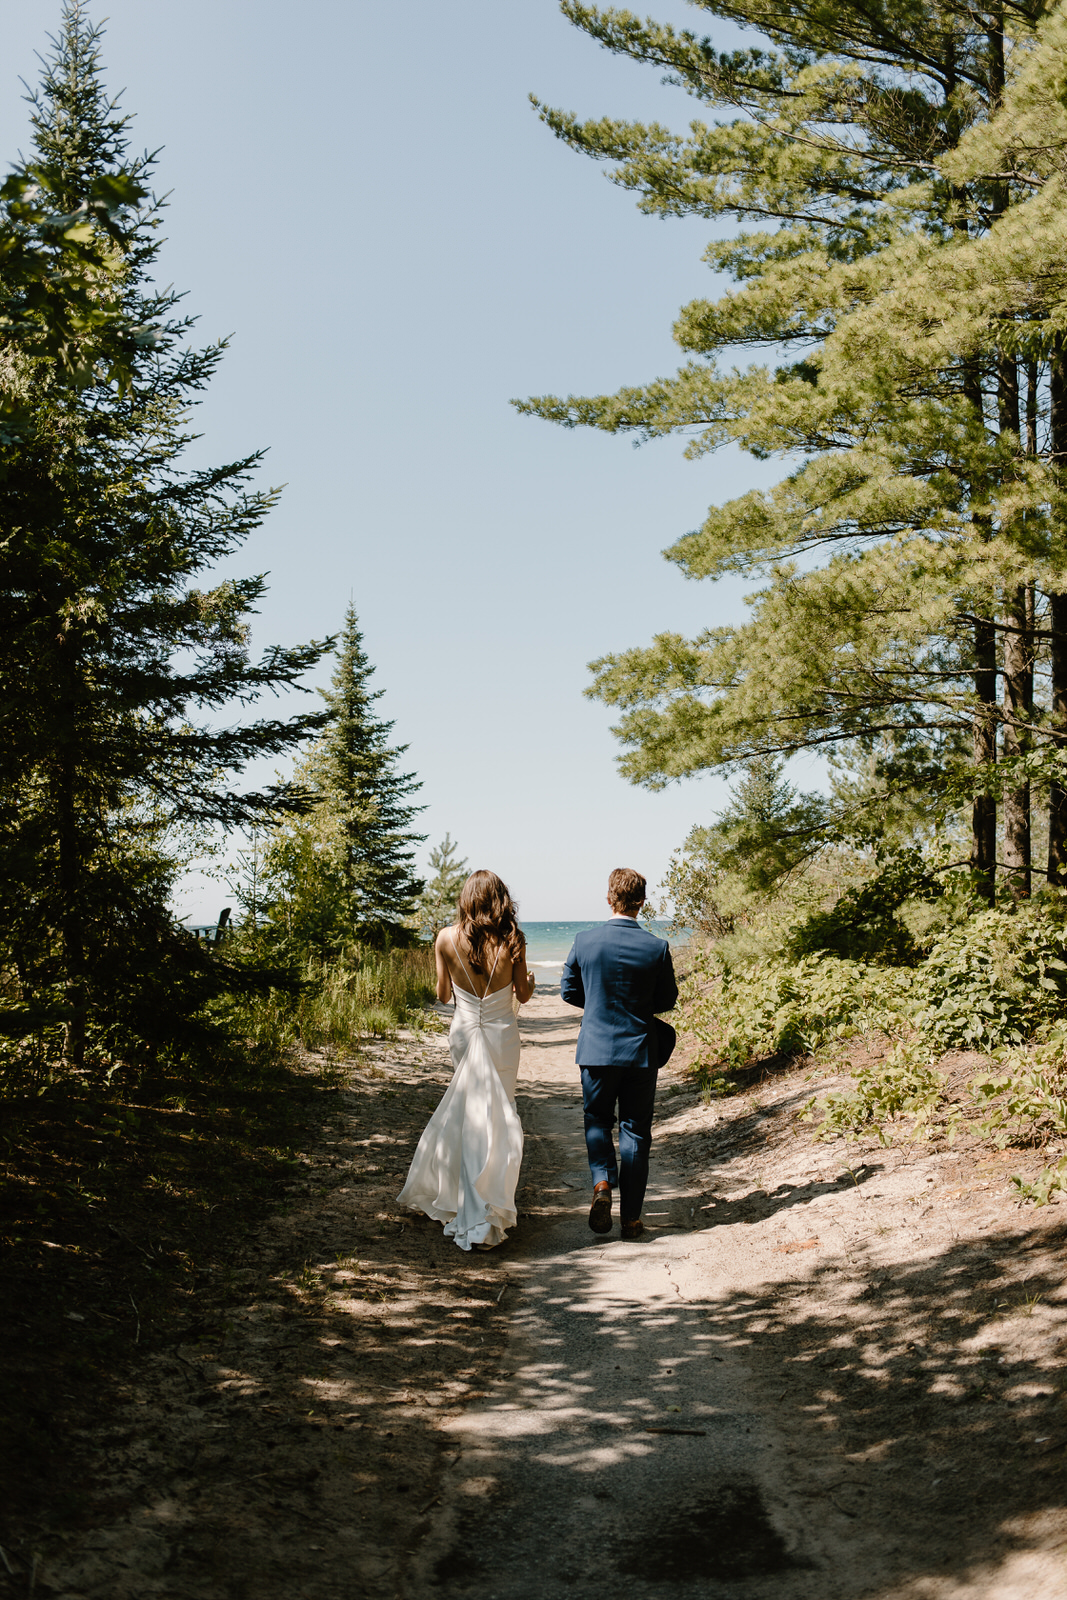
{"points": [[853, 1376], [822, 1373]]}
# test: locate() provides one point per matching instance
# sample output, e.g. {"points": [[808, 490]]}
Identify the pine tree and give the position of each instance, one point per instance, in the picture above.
{"points": [[344, 874], [899, 552], [437, 903], [112, 660]]}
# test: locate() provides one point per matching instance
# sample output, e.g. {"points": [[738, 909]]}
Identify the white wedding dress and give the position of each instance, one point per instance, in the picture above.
{"points": [[466, 1168]]}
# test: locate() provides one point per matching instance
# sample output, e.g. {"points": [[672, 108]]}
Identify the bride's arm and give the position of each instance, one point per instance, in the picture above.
{"points": [[522, 978], [444, 977]]}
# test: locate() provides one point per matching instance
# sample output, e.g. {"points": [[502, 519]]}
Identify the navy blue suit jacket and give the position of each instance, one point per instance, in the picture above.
{"points": [[622, 975]]}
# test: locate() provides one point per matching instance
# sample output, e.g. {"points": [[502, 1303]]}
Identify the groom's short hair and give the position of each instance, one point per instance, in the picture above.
{"points": [[626, 890]]}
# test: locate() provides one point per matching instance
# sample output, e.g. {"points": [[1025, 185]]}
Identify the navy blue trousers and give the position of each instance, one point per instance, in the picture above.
{"points": [[633, 1090]]}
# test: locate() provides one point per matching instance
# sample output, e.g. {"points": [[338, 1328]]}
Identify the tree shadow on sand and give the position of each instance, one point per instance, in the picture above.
{"points": [[831, 1435]]}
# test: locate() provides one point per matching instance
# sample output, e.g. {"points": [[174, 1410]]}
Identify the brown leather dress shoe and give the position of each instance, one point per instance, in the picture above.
{"points": [[600, 1210], [634, 1229]]}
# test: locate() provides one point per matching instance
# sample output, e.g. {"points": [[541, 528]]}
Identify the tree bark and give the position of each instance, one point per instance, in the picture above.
{"points": [[1018, 670], [1057, 800], [71, 924], [1031, 408], [984, 745], [1018, 708], [984, 727]]}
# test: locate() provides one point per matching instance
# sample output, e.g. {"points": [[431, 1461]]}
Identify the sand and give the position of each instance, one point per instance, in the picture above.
{"points": [[826, 1371]]}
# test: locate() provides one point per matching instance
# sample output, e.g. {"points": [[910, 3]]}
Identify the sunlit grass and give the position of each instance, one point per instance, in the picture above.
{"points": [[363, 994]]}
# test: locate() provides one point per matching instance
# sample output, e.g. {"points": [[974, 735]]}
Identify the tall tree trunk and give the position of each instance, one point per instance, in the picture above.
{"points": [[995, 40], [984, 745], [1057, 794], [1057, 799], [984, 734], [984, 727], [1031, 408], [1018, 707], [1018, 669], [71, 926]]}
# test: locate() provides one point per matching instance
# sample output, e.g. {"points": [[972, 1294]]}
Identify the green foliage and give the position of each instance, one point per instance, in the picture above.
{"points": [[1023, 1098], [1022, 1102], [767, 830], [904, 1084], [114, 662], [899, 289], [787, 1007], [438, 901], [863, 924], [1051, 1181], [53, 265], [995, 980], [342, 873], [756, 865]]}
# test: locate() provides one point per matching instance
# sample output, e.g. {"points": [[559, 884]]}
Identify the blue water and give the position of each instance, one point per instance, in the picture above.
{"points": [[548, 943]]}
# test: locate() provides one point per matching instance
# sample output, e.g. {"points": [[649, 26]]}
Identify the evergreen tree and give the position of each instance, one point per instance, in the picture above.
{"points": [[765, 834], [344, 873], [913, 543], [112, 659], [438, 900]]}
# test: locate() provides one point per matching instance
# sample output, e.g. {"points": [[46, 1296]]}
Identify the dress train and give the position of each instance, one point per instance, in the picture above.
{"points": [[466, 1167]]}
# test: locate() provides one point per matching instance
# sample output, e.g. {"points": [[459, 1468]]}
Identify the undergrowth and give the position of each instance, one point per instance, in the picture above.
{"points": [[364, 993], [123, 1211], [126, 1193], [995, 985]]}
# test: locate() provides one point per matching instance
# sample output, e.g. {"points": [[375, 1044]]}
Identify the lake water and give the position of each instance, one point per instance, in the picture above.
{"points": [[548, 943]]}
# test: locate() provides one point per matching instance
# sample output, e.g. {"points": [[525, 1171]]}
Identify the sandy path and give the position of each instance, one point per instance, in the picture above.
{"points": [[859, 1355], [834, 1429]]}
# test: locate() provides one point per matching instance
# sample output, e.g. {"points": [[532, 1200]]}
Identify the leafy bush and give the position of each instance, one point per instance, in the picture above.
{"points": [[996, 979], [904, 1084], [864, 923], [1024, 1094], [992, 982], [780, 1007]]}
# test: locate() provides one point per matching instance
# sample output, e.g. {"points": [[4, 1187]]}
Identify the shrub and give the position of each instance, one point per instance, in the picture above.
{"points": [[904, 1084], [995, 980], [864, 923], [780, 1007]]}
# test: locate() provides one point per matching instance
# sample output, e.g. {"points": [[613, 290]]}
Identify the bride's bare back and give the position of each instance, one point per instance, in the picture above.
{"points": [[455, 968]]}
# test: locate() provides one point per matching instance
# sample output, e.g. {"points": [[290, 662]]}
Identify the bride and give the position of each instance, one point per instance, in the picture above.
{"points": [[466, 1166]]}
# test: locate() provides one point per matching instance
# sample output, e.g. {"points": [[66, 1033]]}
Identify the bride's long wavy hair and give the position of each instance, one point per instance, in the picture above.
{"points": [[488, 920]]}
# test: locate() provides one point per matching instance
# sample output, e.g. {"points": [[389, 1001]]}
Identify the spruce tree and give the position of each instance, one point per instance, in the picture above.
{"points": [[438, 900], [114, 662], [344, 873]]}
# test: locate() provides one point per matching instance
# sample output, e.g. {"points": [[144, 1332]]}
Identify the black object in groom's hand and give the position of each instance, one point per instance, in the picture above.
{"points": [[666, 1039]]}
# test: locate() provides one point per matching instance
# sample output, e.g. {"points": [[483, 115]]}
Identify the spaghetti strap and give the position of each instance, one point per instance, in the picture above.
{"points": [[470, 980], [463, 964]]}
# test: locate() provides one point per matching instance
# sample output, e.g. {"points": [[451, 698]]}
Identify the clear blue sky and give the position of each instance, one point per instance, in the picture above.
{"points": [[363, 197]]}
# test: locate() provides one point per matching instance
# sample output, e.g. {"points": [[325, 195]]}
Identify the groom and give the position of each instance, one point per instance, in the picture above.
{"points": [[622, 975]]}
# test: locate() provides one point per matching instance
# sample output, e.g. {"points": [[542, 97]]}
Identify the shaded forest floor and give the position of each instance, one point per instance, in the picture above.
{"points": [[180, 1291], [232, 1367]]}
